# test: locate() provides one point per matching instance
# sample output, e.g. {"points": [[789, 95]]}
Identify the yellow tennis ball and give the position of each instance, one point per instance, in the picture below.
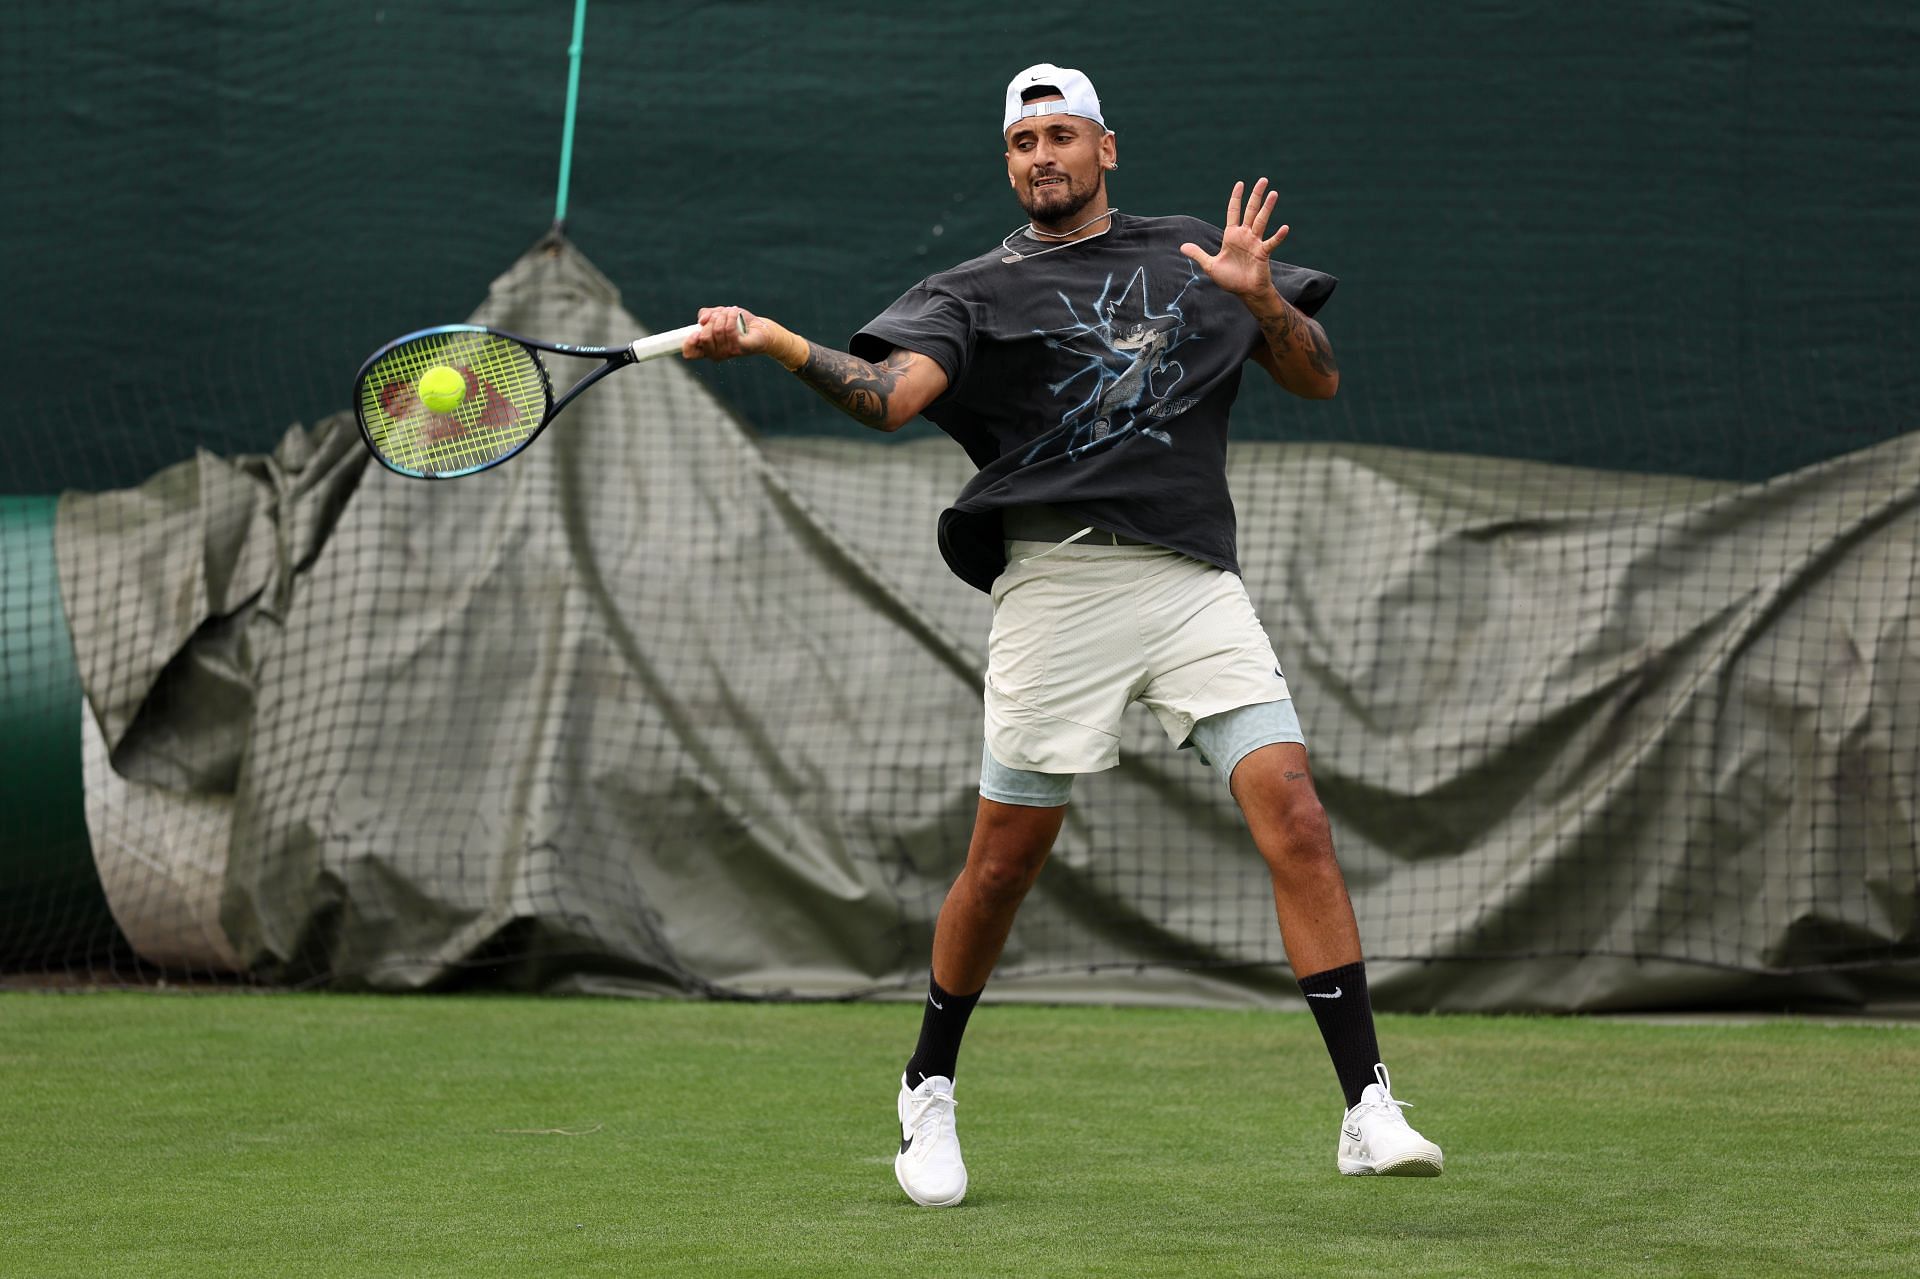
{"points": [[442, 388]]}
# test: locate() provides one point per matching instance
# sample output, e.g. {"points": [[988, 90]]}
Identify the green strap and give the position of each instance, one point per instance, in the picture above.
{"points": [[573, 101]]}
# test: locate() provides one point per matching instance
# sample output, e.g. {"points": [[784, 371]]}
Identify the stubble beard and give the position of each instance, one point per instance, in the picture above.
{"points": [[1055, 208]]}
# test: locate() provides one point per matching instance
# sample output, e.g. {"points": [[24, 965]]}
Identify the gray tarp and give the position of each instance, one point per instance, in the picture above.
{"points": [[657, 706]]}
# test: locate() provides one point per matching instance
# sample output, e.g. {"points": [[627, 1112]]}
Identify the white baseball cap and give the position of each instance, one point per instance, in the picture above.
{"points": [[1072, 85]]}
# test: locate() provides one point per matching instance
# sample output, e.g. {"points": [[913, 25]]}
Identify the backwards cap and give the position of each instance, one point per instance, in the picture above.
{"points": [[1072, 85]]}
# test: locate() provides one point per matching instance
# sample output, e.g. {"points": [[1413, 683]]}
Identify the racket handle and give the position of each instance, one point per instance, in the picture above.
{"points": [[656, 345]]}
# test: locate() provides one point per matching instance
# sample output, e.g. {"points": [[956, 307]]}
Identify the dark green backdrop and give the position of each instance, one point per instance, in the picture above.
{"points": [[1661, 236]]}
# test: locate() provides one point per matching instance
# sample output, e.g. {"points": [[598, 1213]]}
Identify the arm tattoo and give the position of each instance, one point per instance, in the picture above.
{"points": [[853, 385], [1283, 332], [1320, 351], [1279, 329]]}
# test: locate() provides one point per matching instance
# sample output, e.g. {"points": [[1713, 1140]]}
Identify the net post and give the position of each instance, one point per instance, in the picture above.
{"points": [[573, 102]]}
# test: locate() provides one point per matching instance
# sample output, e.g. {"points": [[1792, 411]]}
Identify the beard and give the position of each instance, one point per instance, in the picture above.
{"points": [[1058, 204]]}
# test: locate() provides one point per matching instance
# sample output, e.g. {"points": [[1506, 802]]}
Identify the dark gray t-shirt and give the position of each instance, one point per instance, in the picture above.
{"points": [[1096, 378]]}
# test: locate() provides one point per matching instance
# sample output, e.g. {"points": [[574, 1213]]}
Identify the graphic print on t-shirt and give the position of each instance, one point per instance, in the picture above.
{"points": [[1127, 375]]}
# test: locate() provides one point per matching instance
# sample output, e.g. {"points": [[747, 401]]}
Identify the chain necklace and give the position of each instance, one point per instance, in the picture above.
{"points": [[1015, 255]]}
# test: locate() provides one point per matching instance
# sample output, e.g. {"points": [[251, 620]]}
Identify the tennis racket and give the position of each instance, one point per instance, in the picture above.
{"points": [[457, 399]]}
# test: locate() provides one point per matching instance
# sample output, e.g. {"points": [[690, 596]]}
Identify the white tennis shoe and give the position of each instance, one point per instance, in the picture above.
{"points": [[928, 1166], [1376, 1141]]}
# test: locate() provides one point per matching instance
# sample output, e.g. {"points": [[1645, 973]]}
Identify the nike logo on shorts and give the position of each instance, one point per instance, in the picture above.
{"points": [[1334, 995]]}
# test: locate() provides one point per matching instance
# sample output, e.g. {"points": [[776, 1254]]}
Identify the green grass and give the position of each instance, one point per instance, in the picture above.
{"points": [[334, 1135]]}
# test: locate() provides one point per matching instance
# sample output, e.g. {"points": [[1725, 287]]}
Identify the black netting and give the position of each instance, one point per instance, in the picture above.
{"points": [[1596, 584]]}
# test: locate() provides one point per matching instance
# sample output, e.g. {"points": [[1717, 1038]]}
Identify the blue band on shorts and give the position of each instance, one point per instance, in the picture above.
{"points": [[1225, 739], [1018, 786]]}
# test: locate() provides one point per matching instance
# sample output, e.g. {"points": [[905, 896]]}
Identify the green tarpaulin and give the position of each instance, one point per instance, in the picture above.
{"points": [[663, 706]]}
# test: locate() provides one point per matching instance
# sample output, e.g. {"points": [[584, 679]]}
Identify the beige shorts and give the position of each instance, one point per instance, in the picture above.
{"points": [[1081, 632]]}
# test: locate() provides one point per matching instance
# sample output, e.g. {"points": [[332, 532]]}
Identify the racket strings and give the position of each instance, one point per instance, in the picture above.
{"points": [[505, 401]]}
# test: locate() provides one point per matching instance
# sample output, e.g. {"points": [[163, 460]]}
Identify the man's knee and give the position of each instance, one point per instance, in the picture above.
{"points": [[1010, 845], [1274, 789], [1002, 880]]}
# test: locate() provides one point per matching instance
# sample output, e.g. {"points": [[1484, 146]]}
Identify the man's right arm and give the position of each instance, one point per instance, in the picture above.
{"points": [[884, 396]]}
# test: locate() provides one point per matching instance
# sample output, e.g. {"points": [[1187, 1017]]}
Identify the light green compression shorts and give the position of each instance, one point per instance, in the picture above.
{"points": [[1221, 740]]}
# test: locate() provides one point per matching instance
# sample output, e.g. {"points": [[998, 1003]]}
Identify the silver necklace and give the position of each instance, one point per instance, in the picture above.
{"points": [[1015, 255]]}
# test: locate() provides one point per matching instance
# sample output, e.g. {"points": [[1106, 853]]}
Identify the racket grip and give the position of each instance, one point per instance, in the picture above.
{"points": [[656, 345]]}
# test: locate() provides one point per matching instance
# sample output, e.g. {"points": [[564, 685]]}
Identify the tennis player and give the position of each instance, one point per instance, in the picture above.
{"points": [[1087, 364]]}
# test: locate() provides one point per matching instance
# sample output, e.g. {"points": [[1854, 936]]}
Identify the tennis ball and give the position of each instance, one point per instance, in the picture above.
{"points": [[442, 388]]}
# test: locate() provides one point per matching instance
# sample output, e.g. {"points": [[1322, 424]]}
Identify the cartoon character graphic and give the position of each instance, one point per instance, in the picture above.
{"points": [[1127, 371]]}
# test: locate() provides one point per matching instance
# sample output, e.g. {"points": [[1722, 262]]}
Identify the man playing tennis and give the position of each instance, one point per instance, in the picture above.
{"points": [[1087, 364]]}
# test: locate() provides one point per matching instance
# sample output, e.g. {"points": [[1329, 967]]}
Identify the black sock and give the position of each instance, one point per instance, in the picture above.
{"points": [[945, 1020], [1339, 1001]]}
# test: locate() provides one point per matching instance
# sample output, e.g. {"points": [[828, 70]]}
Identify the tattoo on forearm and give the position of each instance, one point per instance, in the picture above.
{"points": [[1284, 333], [1320, 351], [852, 384], [1279, 329]]}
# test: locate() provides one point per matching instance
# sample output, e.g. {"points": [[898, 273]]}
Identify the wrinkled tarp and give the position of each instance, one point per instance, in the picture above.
{"points": [[659, 707]]}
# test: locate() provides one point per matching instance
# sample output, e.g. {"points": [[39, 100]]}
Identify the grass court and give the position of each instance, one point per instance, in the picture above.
{"points": [[227, 1134]]}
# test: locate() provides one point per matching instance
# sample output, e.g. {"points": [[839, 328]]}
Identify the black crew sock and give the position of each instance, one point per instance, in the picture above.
{"points": [[1339, 1001], [943, 1022]]}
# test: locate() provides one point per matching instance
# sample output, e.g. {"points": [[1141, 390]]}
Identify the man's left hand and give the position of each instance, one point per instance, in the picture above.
{"points": [[1245, 247]]}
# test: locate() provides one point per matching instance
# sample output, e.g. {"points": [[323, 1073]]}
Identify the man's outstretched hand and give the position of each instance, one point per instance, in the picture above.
{"points": [[1245, 247], [1296, 351]]}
